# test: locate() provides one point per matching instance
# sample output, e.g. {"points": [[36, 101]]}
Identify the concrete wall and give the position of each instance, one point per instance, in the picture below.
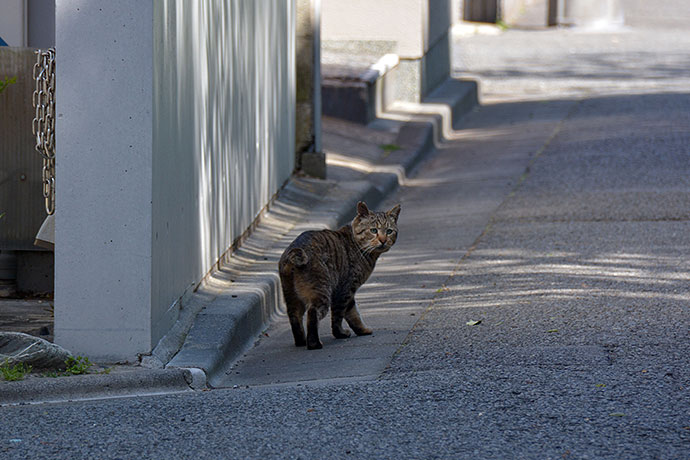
{"points": [[456, 11], [591, 13], [13, 22], [175, 128], [41, 23], [405, 23], [28, 23], [419, 29], [525, 13]]}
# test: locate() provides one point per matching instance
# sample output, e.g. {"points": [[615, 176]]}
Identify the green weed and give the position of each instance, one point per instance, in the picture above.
{"points": [[502, 25], [77, 366], [74, 366], [13, 373], [388, 148], [7, 82]]}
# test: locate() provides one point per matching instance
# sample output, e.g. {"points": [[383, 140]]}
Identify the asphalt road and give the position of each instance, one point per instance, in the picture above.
{"points": [[556, 223]]}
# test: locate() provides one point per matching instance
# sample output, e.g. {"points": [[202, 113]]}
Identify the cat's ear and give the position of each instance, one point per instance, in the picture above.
{"points": [[394, 212], [362, 209]]}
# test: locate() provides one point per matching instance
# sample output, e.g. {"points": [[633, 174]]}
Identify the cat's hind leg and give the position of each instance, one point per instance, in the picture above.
{"points": [[316, 311], [296, 323], [295, 310], [353, 319]]}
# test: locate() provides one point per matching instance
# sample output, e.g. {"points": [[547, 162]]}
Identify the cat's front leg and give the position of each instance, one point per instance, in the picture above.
{"points": [[337, 323], [353, 319]]}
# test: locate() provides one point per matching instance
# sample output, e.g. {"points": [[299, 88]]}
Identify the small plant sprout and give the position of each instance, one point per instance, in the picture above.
{"points": [[7, 82], [388, 148], [15, 372], [77, 366]]}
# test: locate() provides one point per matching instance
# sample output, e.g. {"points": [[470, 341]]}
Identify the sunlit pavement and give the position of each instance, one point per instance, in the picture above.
{"points": [[534, 306]]}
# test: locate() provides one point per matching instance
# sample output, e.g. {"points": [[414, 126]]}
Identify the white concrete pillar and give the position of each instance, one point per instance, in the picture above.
{"points": [[175, 128], [104, 177]]}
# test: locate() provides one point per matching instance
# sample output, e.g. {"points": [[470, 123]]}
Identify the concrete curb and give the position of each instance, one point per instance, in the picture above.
{"points": [[138, 382]]}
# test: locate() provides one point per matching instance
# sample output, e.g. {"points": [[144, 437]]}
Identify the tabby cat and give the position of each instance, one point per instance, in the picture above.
{"points": [[322, 270]]}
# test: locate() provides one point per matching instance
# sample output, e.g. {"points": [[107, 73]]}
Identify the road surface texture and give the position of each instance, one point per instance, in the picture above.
{"points": [[536, 304]]}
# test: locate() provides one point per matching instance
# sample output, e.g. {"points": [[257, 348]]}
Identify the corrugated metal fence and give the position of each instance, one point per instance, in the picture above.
{"points": [[224, 129], [21, 199]]}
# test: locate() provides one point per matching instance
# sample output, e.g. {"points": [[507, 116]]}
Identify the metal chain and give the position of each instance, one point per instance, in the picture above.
{"points": [[43, 126]]}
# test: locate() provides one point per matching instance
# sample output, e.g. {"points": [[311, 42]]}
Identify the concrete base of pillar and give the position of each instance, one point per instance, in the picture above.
{"points": [[314, 164]]}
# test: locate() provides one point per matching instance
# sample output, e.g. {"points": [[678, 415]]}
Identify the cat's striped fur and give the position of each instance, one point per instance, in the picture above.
{"points": [[322, 270]]}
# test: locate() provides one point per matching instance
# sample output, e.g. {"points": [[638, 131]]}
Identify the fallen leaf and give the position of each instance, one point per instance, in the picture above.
{"points": [[617, 414], [311, 410], [552, 330], [600, 385], [473, 323]]}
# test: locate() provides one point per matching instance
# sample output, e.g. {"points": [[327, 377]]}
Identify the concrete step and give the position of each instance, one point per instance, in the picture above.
{"points": [[355, 90], [353, 87]]}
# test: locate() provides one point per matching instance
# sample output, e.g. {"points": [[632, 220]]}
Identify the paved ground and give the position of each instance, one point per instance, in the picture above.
{"points": [[30, 316], [536, 304]]}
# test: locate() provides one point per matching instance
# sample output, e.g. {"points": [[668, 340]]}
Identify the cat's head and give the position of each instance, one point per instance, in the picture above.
{"points": [[375, 231]]}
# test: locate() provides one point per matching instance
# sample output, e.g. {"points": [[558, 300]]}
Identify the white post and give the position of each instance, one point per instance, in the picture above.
{"points": [[104, 65]]}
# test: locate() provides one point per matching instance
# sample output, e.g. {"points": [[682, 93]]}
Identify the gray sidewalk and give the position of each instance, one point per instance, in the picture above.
{"points": [[232, 307]]}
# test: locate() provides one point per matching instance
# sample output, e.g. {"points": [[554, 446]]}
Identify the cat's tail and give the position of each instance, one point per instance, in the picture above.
{"points": [[295, 257]]}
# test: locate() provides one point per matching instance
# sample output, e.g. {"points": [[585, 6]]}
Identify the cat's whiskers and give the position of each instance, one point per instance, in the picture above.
{"points": [[367, 250]]}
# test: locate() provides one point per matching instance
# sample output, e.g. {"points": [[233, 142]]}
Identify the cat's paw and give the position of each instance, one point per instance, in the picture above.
{"points": [[364, 331], [341, 334], [314, 346]]}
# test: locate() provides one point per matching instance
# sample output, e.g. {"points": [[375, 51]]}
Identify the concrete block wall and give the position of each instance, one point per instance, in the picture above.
{"points": [[175, 128], [511, 10], [419, 28]]}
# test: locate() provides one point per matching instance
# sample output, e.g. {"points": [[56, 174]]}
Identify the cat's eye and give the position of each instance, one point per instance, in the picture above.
{"points": [[374, 231], [389, 231]]}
